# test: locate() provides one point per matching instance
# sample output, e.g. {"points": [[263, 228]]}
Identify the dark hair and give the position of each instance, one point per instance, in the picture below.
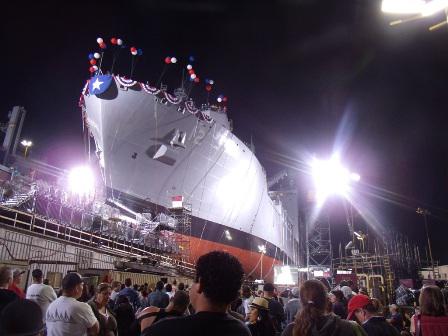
{"points": [[374, 306], [159, 285], [338, 294], [144, 293], [431, 301], [71, 280], [102, 287], [181, 286], [21, 317], [37, 274], [314, 301], [135, 287], [220, 275], [268, 287], [168, 288], [128, 282], [266, 321], [181, 300]]}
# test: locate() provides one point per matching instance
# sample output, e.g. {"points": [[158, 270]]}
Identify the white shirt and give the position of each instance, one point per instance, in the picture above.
{"points": [[67, 316], [42, 294]]}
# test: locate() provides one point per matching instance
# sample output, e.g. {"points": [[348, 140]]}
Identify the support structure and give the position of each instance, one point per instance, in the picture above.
{"points": [[318, 244], [182, 231]]}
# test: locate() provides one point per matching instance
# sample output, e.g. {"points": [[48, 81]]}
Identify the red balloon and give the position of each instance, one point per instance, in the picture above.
{"points": [[113, 40], [208, 87], [167, 60], [91, 69], [196, 80], [93, 61], [133, 49], [224, 99], [191, 71], [103, 45]]}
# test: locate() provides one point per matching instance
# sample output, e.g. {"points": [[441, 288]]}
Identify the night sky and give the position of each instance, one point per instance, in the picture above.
{"points": [[293, 70]]}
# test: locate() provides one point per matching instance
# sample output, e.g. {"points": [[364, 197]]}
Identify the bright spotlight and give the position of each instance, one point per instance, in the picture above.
{"points": [[81, 181], [331, 178], [419, 7]]}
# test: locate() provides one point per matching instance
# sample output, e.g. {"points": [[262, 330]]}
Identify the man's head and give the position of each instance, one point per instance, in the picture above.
{"points": [[268, 290], [17, 276], [22, 317], [219, 277], [181, 286], [361, 307], [295, 292], [168, 288], [180, 302], [37, 275], [72, 285], [116, 286], [159, 285], [246, 292], [128, 282], [393, 308], [5, 277]]}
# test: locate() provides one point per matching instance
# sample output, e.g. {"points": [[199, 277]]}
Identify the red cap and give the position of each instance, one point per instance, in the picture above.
{"points": [[357, 302]]}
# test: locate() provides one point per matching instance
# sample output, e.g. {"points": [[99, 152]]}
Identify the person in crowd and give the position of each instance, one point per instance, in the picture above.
{"points": [[22, 317], [158, 298], [124, 314], [363, 290], [218, 280], [144, 299], [84, 294], [313, 319], [130, 293], [432, 320], [6, 295], [259, 322], [16, 281], [348, 293], [99, 305], [337, 302], [177, 307], [366, 312], [42, 294], [293, 305], [275, 308], [169, 290], [247, 299], [66, 315], [396, 319], [136, 287], [116, 287], [181, 286], [46, 282]]}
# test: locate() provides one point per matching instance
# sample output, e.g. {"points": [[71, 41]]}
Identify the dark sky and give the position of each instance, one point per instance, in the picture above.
{"points": [[292, 69]]}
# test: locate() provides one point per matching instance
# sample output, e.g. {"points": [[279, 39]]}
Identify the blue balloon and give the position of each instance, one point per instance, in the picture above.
{"points": [[91, 56], [190, 79], [191, 58], [139, 52]]}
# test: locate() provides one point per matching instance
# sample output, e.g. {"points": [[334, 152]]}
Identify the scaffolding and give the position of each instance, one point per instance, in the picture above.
{"points": [[318, 244], [182, 232]]}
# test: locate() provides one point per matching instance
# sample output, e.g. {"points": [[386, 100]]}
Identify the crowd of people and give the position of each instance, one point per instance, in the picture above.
{"points": [[217, 303]]}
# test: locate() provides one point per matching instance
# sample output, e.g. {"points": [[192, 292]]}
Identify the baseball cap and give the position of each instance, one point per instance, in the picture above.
{"points": [[71, 280], [268, 287], [357, 302], [30, 322], [37, 273], [17, 272]]}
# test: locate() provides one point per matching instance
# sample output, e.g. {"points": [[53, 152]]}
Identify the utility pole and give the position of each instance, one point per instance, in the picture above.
{"points": [[425, 213]]}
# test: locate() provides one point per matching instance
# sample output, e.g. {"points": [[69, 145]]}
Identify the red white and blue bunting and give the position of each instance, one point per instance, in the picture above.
{"points": [[125, 82], [172, 99], [150, 89]]}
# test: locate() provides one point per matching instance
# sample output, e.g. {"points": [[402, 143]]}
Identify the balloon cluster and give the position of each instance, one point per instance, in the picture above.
{"points": [[209, 84], [135, 51], [101, 43], [116, 41], [221, 99], [191, 73], [169, 60], [93, 57]]}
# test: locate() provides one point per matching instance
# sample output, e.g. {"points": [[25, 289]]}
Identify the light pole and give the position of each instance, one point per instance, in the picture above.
{"points": [[27, 144], [425, 213], [262, 250]]}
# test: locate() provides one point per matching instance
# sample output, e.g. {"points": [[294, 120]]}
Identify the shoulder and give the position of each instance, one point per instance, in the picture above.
{"points": [[175, 325], [350, 328]]}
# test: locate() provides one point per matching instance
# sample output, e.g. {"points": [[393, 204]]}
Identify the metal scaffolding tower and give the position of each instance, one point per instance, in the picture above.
{"points": [[318, 244], [182, 231]]}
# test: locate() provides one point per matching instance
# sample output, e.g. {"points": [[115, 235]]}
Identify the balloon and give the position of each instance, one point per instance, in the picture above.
{"points": [[168, 60], [219, 99], [224, 99], [103, 45], [196, 80], [173, 59], [189, 67], [95, 67], [119, 41], [193, 76], [133, 49], [208, 88], [91, 69], [211, 82], [191, 58], [99, 40], [191, 71], [134, 52], [139, 52], [113, 40], [93, 61], [97, 55], [90, 56]]}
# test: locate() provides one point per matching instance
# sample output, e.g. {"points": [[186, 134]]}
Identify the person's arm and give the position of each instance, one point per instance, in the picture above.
{"points": [[94, 330], [89, 320], [147, 317]]}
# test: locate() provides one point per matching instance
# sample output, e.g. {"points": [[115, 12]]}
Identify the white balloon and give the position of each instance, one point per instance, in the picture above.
{"points": [[119, 41], [99, 40], [173, 59], [211, 82], [95, 68], [134, 53], [189, 67], [96, 55], [219, 99], [193, 76]]}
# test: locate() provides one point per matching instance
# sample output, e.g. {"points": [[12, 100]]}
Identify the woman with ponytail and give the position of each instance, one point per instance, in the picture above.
{"points": [[314, 318]]}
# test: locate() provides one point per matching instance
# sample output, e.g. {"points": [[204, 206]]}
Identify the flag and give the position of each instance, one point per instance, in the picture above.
{"points": [[99, 84]]}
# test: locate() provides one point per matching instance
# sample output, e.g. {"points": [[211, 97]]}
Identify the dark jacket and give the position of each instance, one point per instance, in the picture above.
{"points": [[159, 299], [330, 325], [111, 323], [378, 326]]}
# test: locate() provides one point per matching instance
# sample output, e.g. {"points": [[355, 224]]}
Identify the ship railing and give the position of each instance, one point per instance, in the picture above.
{"points": [[38, 225]]}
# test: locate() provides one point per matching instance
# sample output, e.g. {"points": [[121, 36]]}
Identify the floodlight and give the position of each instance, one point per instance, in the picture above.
{"points": [[403, 6], [330, 178], [81, 180]]}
